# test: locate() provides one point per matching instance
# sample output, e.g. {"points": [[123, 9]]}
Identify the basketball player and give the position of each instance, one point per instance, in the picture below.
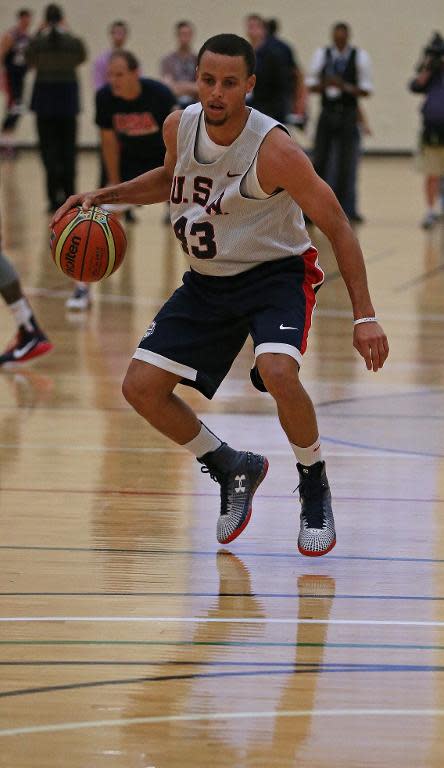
{"points": [[12, 60], [237, 183], [30, 341]]}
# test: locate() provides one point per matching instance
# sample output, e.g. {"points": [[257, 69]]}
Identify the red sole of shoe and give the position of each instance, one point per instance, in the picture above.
{"points": [[309, 553], [238, 531]]}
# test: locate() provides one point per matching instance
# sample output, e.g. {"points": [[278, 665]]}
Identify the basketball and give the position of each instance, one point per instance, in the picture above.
{"points": [[88, 245]]}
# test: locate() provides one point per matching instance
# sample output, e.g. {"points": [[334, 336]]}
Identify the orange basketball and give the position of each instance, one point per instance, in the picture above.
{"points": [[88, 245]]}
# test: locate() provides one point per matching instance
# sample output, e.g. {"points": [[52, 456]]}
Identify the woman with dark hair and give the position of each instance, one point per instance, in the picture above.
{"points": [[55, 53]]}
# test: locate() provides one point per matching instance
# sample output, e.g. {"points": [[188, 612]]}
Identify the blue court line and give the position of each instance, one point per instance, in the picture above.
{"points": [[261, 595], [213, 553], [228, 644], [380, 449], [297, 668]]}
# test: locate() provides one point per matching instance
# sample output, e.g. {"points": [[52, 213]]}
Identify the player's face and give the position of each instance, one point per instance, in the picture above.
{"points": [[222, 85], [123, 81]]}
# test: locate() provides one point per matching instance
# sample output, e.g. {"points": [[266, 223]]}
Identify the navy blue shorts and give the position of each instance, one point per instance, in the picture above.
{"points": [[201, 329]]}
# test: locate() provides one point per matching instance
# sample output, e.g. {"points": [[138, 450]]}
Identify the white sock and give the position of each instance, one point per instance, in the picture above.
{"points": [[308, 456], [22, 313], [203, 443]]}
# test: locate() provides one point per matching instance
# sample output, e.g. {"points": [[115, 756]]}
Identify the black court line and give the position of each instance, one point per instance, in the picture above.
{"points": [[331, 276], [213, 553], [387, 395], [258, 595], [419, 279], [296, 668]]}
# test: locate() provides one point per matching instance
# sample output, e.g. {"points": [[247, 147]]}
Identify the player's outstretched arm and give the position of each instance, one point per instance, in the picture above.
{"points": [[151, 187], [282, 164]]}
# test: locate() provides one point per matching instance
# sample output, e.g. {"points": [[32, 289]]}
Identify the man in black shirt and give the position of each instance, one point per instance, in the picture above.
{"points": [[130, 112], [270, 94]]}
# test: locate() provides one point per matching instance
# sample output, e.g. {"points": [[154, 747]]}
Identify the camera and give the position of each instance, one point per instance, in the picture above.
{"points": [[434, 53]]}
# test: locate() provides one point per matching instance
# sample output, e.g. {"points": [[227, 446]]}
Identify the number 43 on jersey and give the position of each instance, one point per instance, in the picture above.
{"points": [[200, 241]]}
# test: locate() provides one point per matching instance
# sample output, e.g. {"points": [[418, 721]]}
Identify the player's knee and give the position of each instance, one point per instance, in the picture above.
{"points": [[143, 391], [279, 374], [137, 391]]}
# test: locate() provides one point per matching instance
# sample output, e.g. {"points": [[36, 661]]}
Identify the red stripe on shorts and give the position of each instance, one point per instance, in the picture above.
{"points": [[313, 278]]}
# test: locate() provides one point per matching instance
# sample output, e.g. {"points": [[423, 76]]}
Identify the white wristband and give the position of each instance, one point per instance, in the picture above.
{"points": [[365, 320]]}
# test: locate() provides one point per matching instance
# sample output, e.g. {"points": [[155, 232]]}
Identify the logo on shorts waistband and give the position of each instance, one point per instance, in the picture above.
{"points": [[288, 327]]}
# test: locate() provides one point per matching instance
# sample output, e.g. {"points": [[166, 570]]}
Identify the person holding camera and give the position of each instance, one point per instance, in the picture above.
{"points": [[430, 81]]}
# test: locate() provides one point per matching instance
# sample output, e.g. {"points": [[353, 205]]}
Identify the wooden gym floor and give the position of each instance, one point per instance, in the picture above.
{"points": [[128, 637]]}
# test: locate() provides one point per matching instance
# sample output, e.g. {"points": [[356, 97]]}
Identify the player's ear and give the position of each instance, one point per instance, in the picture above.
{"points": [[251, 82]]}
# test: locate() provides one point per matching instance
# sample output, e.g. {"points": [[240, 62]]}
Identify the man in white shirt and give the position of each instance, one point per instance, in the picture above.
{"points": [[342, 75]]}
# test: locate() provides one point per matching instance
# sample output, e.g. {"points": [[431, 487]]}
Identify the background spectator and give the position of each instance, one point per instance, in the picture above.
{"points": [[178, 69], [341, 74], [130, 112], [271, 92], [296, 101], [55, 53], [14, 68], [430, 81], [118, 32]]}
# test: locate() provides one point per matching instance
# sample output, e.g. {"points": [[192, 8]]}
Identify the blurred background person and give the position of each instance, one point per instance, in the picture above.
{"points": [[342, 75], [271, 92], [14, 68], [55, 54], [178, 68], [118, 33], [130, 112], [430, 81], [296, 106]]}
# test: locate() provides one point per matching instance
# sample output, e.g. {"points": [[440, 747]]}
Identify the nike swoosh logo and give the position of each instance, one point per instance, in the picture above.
{"points": [[19, 353], [232, 175], [288, 328]]}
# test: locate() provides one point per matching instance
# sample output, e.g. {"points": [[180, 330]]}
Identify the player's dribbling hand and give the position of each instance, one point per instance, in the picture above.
{"points": [[371, 342], [85, 200]]}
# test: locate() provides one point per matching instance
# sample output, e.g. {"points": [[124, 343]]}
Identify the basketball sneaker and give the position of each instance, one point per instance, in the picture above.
{"points": [[80, 298], [317, 534], [26, 345], [239, 478]]}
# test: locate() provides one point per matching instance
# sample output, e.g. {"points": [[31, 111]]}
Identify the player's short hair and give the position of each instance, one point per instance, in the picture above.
{"points": [[23, 12], [130, 58], [230, 45]]}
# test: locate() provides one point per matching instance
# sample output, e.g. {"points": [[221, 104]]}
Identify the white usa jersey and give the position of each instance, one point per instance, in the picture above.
{"points": [[221, 231]]}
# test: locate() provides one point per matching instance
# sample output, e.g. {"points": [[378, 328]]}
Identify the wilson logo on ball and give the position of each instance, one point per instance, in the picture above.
{"points": [[88, 245]]}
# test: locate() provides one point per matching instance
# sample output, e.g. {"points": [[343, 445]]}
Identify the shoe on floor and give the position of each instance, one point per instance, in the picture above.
{"points": [[27, 345], [80, 299], [317, 534], [238, 484]]}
